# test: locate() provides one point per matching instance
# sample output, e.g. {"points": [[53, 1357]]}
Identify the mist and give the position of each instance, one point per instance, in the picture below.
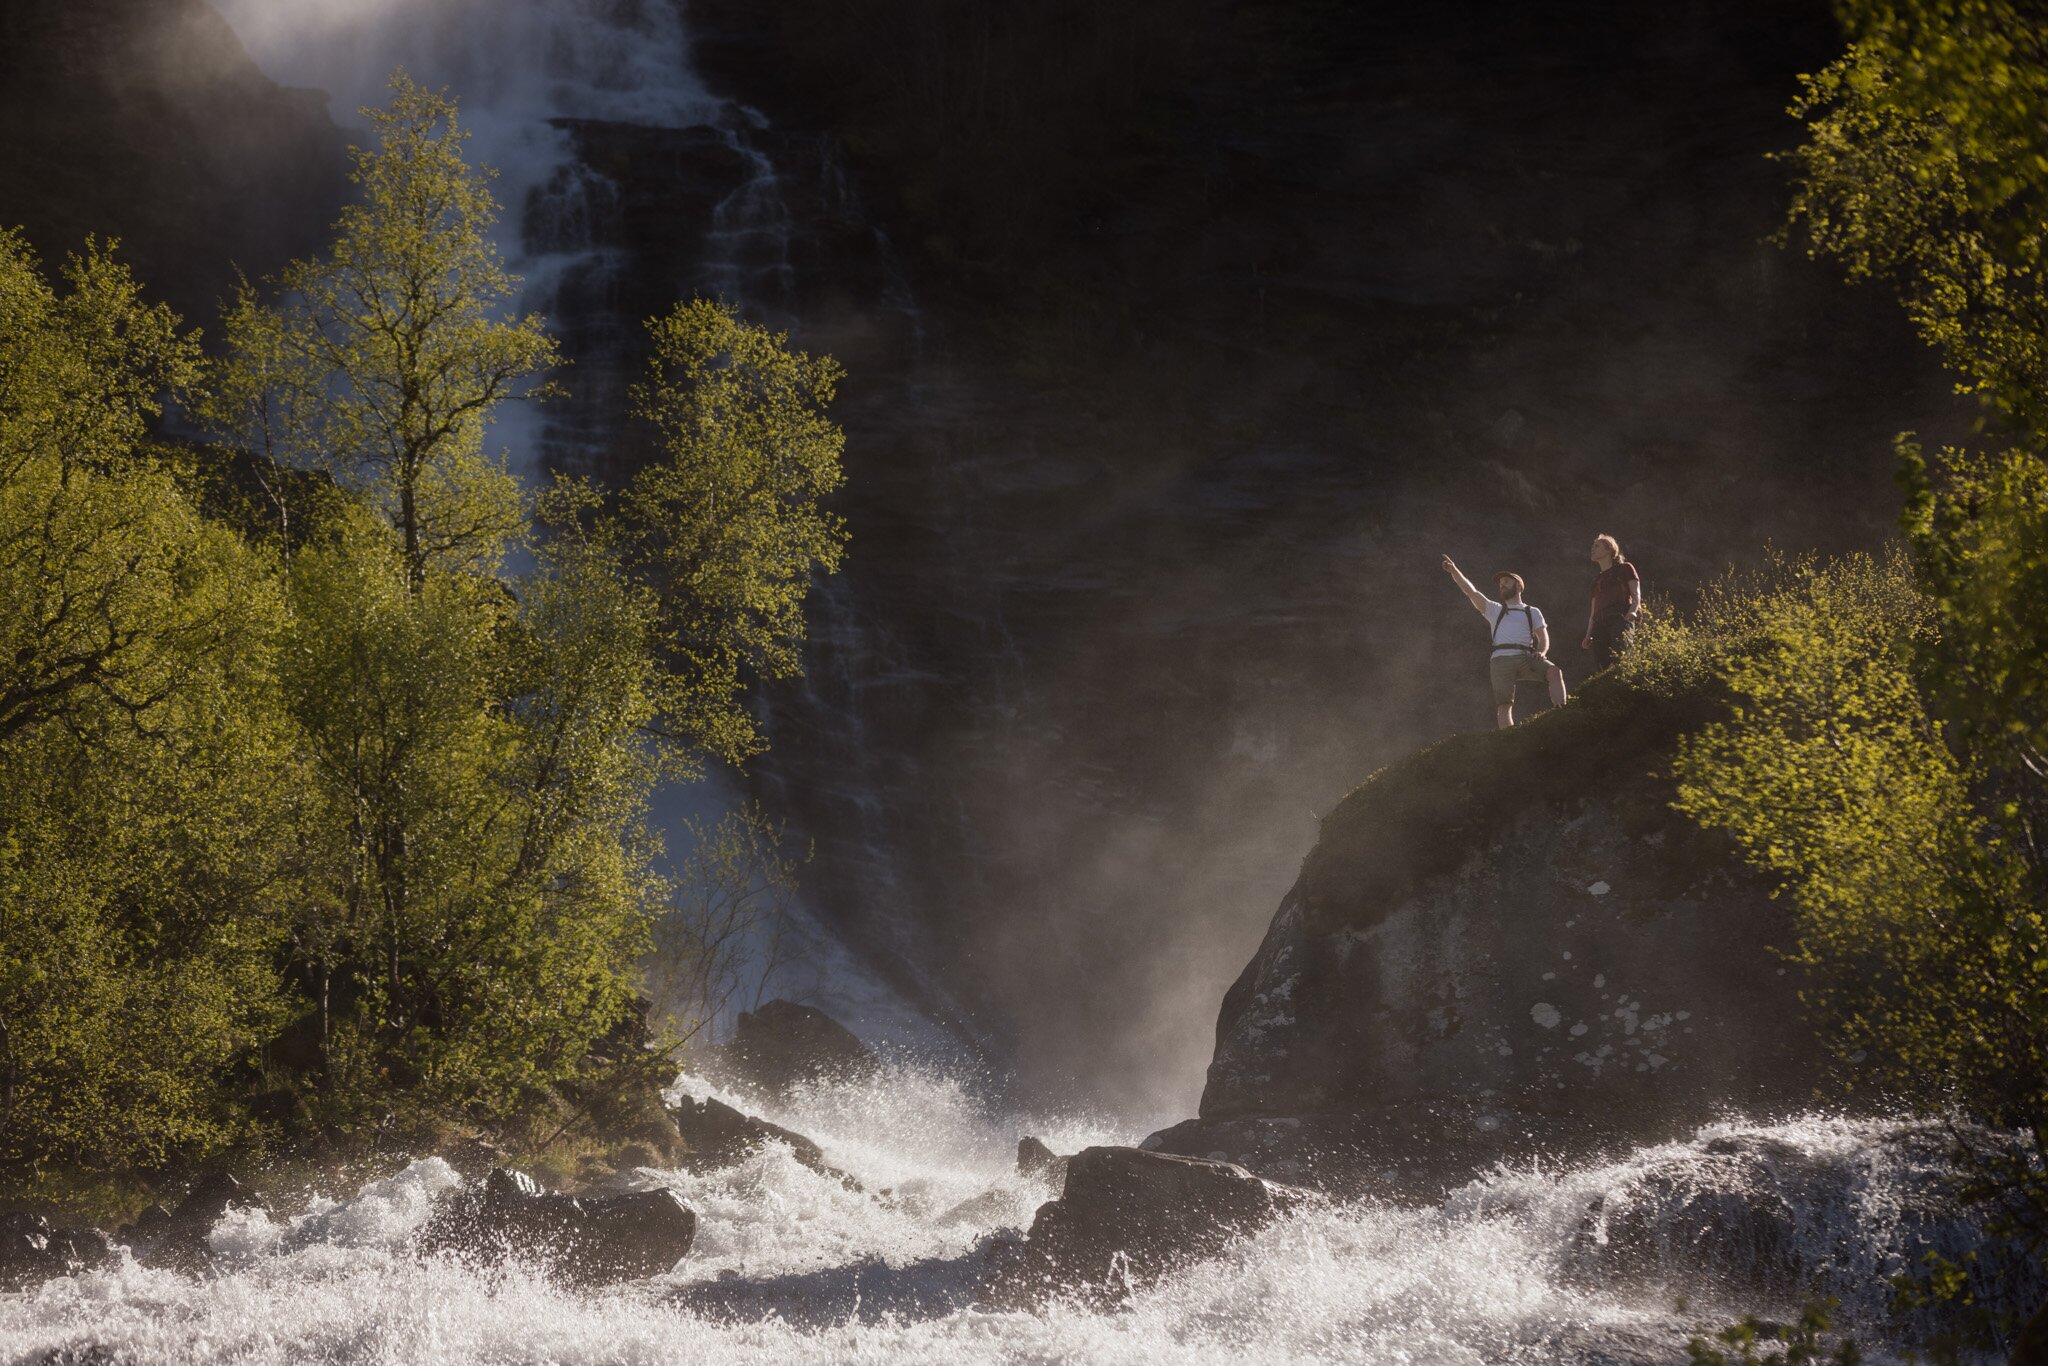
{"points": [[1139, 593]]}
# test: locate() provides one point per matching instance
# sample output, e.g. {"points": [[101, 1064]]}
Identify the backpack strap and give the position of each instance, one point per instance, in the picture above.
{"points": [[1529, 619]]}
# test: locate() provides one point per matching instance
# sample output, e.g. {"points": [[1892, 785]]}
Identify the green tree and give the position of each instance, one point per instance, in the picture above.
{"points": [[383, 361], [145, 765], [728, 528], [1887, 754], [483, 779], [481, 868]]}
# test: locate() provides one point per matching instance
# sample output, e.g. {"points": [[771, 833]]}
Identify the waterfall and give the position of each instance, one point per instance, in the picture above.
{"points": [[550, 91]]}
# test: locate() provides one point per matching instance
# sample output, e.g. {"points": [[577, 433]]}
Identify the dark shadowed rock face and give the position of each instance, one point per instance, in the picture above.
{"points": [[32, 1250], [145, 120], [1145, 565], [783, 1043], [1507, 945], [1127, 1215], [715, 1135], [590, 1239], [177, 1239]]}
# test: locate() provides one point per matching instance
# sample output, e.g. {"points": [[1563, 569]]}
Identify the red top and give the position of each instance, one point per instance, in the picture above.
{"points": [[1610, 588]]}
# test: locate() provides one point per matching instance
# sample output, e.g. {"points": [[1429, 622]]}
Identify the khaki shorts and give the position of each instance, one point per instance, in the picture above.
{"points": [[1508, 670]]}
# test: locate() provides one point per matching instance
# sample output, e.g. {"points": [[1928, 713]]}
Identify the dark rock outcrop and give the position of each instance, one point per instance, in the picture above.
{"points": [[147, 121], [178, 1240], [715, 1135], [783, 1043], [1036, 1160], [1127, 1215], [33, 1250], [592, 1240], [1147, 553], [1508, 944]]}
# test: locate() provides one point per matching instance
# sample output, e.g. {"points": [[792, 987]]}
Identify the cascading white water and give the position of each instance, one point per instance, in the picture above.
{"points": [[520, 69], [516, 66], [791, 1266]]}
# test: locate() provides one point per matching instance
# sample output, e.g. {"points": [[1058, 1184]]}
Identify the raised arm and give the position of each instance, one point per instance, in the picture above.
{"points": [[1472, 595]]}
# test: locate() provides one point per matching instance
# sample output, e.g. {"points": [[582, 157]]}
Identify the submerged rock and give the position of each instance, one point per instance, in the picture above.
{"points": [[593, 1240], [1127, 1215], [783, 1043], [715, 1135], [33, 1250]]}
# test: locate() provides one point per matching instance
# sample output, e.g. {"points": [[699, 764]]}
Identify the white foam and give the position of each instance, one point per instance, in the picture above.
{"points": [[792, 1266]]}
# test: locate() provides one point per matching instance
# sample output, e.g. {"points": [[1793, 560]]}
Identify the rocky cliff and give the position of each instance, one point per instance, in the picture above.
{"points": [[1144, 557], [144, 120], [1505, 946]]}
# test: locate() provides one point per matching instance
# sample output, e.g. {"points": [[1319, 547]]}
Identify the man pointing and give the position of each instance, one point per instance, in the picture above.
{"points": [[1521, 642]]}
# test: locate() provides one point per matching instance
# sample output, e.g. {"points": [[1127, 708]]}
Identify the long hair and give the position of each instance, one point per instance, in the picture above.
{"points": [[1613, 547]]}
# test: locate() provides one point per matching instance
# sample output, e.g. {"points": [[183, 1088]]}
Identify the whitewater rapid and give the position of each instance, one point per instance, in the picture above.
{"points": [[792, 1266]]}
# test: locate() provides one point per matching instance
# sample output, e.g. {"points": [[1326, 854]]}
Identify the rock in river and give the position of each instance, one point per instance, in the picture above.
{"points": [[783, 1043], [593, 1240], [1128, 1215], [32, 1250], [716, 1135]]}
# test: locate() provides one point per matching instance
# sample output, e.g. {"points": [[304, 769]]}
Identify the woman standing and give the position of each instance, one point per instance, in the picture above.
{"points": [[1617, 602]]}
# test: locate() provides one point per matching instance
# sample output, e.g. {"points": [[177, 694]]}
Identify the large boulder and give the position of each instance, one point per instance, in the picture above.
{"points": [[33, 1250], [715, 1135], [592, 1240], [1127, 1215], [783, 1043], [1504, 946], [178, 1240]]}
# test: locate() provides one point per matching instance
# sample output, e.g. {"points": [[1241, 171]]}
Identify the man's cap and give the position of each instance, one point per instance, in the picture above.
{"points": [[1515, 579]]}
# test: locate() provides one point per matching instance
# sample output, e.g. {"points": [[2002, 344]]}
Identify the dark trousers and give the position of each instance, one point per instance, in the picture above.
{"points": [[1610, 637]]}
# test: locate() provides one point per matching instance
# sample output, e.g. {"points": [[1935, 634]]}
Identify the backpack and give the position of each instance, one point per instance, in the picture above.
{"points": [[1529, 616]]}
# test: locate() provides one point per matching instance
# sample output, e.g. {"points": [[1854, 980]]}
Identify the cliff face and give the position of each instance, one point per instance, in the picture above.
{"points": [[1504, 946], [145, 120], [1145, 543]]}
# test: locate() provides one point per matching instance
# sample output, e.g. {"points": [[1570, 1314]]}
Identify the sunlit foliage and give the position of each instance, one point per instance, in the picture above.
{"points": [[383, 360], [145, 772], [1887, 752], [312, 811]]}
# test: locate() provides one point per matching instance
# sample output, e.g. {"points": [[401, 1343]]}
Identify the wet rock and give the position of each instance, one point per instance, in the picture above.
{"points": [[474, 1157], [1034, 1159], [784, 1043], [593, 1240], [715, 1135], [2032, 1347], [145, 1228], [32, 1250], [639, 1233], [1127, 1215], [988, 1208], [178, 1242]]}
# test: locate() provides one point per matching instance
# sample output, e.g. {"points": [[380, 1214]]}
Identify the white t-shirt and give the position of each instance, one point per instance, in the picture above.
{"points": [[1518, 630]]}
